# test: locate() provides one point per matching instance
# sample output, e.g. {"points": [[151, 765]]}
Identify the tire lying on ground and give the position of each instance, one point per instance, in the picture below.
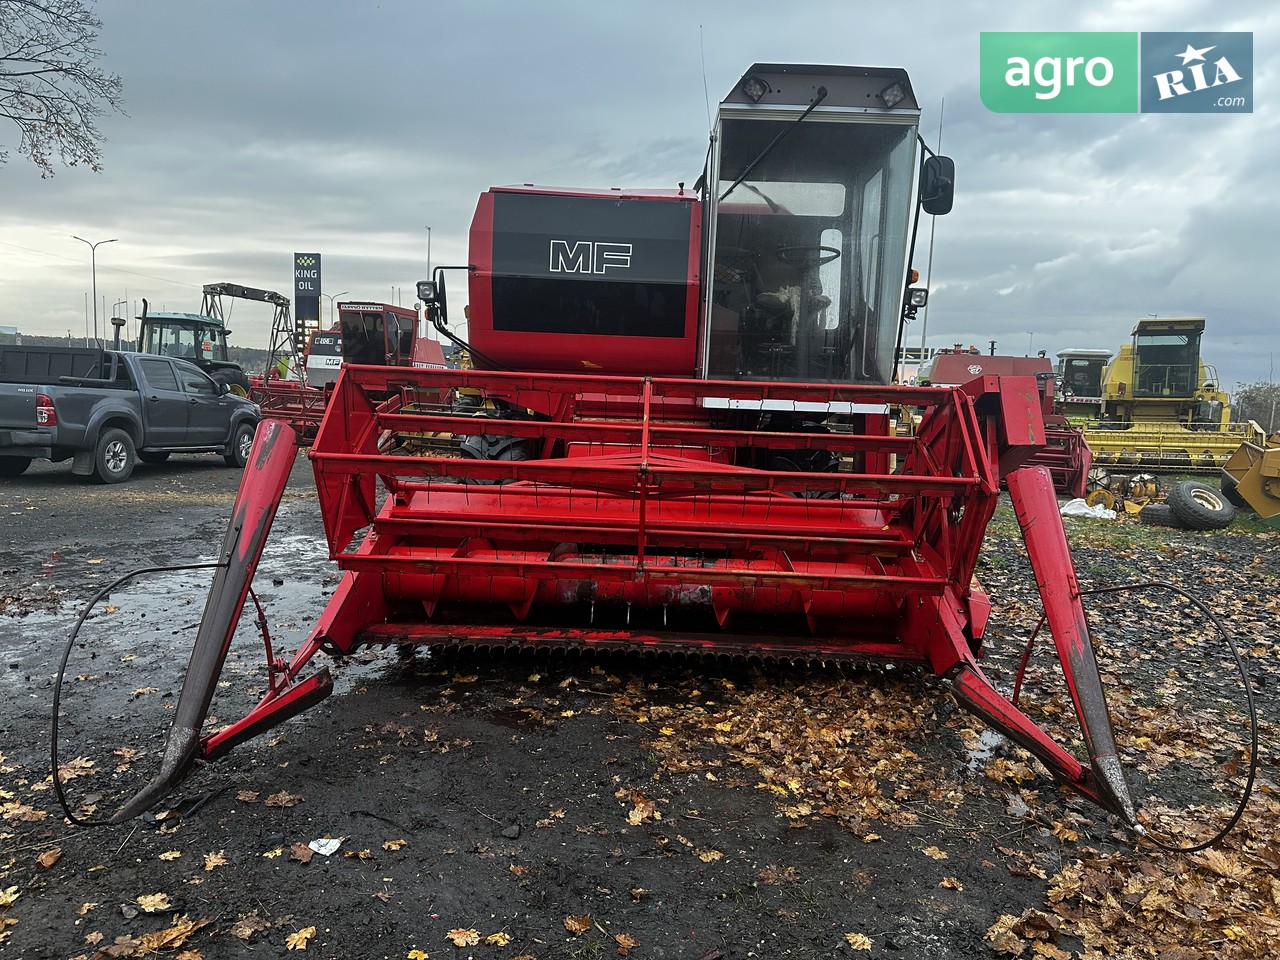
{"points": [[1228, 485], [1158, 515], [1199, 506]]}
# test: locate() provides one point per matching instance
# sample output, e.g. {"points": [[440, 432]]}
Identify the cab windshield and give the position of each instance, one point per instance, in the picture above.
{"points": [[1166, 364], [810, 250]]}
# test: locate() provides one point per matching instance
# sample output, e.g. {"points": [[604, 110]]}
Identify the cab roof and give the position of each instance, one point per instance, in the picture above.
{"points": [[184, 317]]}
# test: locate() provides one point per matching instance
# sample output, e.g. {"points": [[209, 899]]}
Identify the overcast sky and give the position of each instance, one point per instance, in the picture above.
{"points": [[256, 129]]}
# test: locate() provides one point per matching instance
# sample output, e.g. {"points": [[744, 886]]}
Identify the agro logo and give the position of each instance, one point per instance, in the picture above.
{"points": [[975, 369]]}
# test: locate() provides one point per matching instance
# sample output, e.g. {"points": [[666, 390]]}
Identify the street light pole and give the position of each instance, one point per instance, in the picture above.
{"points": [[331, 297], [93, 267], [428, 253]]}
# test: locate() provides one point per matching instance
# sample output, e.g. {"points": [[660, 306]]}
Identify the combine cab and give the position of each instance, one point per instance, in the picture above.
{"points": [[1161, 409], [678, 438]]}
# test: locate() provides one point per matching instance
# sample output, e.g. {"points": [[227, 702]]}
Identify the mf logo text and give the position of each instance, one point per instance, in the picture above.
{"points": [[588, 256]]}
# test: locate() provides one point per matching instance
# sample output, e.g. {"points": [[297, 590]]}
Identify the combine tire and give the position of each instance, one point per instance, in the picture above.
{"points": [[235, 380], [14, 466], [1228, 485], [1200, 507], [114, 460], [1158, 515]]}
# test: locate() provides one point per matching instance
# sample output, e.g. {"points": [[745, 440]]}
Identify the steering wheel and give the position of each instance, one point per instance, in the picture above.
{"points": [[805, 255]]}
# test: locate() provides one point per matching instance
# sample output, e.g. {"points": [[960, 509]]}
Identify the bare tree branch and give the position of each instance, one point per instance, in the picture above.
{"points": [[51, 88]]}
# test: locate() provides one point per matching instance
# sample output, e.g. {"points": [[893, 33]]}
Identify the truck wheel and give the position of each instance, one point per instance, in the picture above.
{"points": [[1199, 506], [153, 456], [1158, 515], [235, 380], [14, 466], [1228, 484], [241, 443], [115, 458]]}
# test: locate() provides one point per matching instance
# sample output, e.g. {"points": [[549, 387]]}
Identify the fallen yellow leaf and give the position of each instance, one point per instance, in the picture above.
{"points": [[172, 937], [499, 939], [48, 858], [212, 860], [170, 855], [935, 853], [463, 937], [858, 941], [577, 924], [394, 844], [248, 924], [78, 767], [154, 902], [417, 955], [299, 940]]}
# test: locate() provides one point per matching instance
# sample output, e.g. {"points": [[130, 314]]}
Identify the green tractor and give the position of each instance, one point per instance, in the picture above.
{"points": [[195, 337]]}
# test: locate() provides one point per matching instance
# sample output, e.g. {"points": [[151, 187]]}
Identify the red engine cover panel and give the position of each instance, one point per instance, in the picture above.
{"points": [[579, 280]]}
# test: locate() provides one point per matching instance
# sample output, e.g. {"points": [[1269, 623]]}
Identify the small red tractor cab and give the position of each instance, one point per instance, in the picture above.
{"points": [[374, 334], [196, 337], [677, 437], [1065, 452]]}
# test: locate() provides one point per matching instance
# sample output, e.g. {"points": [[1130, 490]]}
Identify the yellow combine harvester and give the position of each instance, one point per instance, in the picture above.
{"points": [[1161, 408]]}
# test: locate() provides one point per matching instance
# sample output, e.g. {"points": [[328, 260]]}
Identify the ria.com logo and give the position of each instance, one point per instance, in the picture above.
{"points": [[1117, 72]]}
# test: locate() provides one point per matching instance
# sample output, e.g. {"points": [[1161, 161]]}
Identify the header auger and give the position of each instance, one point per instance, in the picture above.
{"points": [[679, 438]]}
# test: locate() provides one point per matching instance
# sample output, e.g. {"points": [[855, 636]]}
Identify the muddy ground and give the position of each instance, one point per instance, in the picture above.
{"points": [[562, 807]]}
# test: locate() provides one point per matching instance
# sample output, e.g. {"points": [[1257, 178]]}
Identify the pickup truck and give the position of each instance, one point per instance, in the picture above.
{"points": [[106, 410]]}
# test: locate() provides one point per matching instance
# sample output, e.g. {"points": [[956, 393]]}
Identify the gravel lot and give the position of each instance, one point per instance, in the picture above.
{"points": [[565, 807]]}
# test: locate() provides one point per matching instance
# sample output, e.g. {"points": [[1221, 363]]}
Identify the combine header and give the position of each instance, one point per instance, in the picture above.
{"points": [[678, 438]]}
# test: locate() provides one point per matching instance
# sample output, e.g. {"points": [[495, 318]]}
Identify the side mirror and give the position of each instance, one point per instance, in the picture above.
{"points": [[223, 388], [937, 185]]}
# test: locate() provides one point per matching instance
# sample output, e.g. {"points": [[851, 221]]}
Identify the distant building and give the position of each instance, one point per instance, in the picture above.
{"points": [[8, 331]]}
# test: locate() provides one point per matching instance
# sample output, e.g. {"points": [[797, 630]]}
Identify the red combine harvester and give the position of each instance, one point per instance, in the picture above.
{"points": [[368, 333], [678, 438], [1065, 453]]}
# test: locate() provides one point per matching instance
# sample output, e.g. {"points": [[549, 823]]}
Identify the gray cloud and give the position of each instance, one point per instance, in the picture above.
{"points": [[255, 130]]}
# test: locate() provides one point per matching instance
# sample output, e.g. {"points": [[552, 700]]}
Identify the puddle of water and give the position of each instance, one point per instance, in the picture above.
{"points": [[152, 620], [984, 748]]}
